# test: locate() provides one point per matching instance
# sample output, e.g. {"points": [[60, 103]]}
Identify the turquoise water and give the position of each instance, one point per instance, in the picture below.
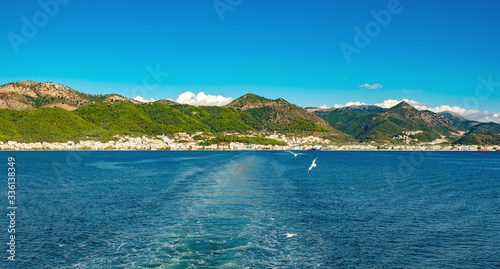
{"points": [[232, 209]]}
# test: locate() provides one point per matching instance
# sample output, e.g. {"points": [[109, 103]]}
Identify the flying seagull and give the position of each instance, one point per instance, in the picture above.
{"points": [[288, 235], [312, 165], [295, 154], [120, 247]]}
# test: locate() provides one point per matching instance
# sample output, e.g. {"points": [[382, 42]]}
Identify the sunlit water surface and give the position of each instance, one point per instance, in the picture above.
{"points": [[231, 210]]}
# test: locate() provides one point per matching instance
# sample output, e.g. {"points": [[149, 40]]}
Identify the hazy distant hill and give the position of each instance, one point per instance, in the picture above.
{"points": [[385, 124], [364, 109], [454, 116], [167, 102], [320, 112], [458, 118], [23, 95]]}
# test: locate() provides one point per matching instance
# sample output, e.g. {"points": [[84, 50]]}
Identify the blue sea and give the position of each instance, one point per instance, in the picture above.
{"points": [[226, 209]]}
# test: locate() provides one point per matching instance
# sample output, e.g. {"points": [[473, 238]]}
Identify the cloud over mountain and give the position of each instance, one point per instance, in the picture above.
{"points": [[142, 100], [202, 99], [349, 104], [477, 115]]}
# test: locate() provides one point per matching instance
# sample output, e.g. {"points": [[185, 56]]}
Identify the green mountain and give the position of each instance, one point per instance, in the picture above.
{"points": [[264, 114], [488, 128], [47, 125], [95, 122], [217, 119], [103, 120], [385, 124], [38, 112], [481, 134], [148, 118]]}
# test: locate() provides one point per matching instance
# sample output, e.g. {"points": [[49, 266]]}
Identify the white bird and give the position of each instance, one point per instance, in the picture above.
{"points": [[288, 235], [295, 154], [312, 165], [120, 247]]}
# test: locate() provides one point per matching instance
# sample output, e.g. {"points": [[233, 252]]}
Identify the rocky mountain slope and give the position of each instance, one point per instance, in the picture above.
{"points": [[280, 115], [386, 124], [23, 95]]}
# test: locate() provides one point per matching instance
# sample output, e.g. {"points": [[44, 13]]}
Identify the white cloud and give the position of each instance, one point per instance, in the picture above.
{"points": [[202, 99], [324, 107], [388, 103], [391, 102], [142, 100], [372, 87], [349, 104]]}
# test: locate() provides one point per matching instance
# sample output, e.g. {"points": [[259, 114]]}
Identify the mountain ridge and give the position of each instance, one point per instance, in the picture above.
{"points": [[280, 115], [393, 122], [24, 95], [101, 116]]}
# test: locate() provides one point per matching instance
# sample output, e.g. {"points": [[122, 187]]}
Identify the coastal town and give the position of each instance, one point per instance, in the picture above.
{"points": [[185, 141]]}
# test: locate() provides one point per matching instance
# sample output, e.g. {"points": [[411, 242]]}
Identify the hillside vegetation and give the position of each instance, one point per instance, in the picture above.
{"points": [[385, 124], [278, 115], [481, 134], [48, 112], [101, 121], [47, 125]]}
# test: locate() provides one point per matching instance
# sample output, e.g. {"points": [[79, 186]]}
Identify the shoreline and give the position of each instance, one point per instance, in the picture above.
{"points": [[248, 150], [188, 142]]}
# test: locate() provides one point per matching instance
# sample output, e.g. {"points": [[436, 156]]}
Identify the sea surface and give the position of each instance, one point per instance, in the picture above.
{"points": [[221, 209]]}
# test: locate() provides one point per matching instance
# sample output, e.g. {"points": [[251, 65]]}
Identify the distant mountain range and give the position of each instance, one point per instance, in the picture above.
{"points": [[373, 123], [385, 124], [35, 112]]}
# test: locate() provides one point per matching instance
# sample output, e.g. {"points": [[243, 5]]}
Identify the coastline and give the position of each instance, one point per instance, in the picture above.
{"points": [[187, 142], [187, 150]]}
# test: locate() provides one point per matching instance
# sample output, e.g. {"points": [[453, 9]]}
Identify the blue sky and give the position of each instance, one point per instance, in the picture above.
{"points": [[432, 52]]}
